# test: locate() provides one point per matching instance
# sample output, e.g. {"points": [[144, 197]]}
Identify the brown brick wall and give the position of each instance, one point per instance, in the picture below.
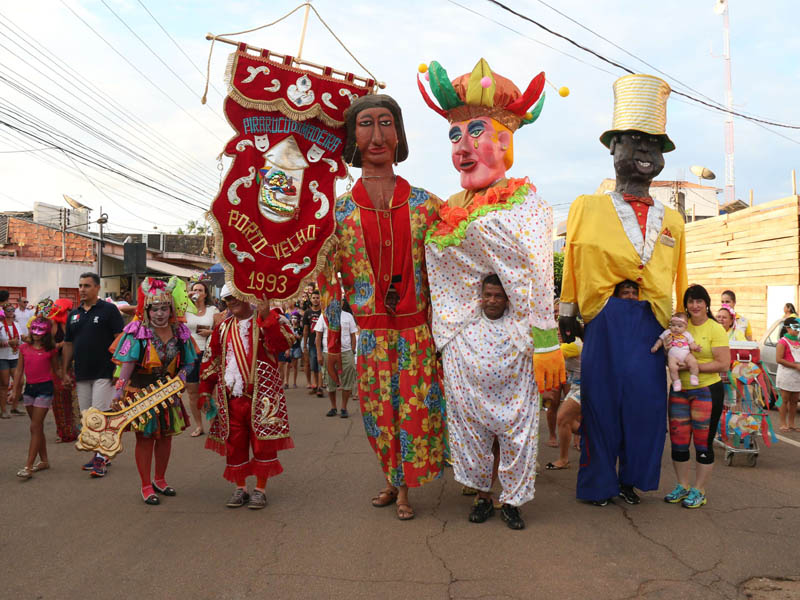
{"points": [[37, 242]]}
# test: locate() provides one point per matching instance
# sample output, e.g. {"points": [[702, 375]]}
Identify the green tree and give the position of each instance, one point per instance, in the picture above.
{"points": [[193, 228], [558, 268]]}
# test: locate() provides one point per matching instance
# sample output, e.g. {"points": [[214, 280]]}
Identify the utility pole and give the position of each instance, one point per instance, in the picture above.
{"points": [[101, 221], [721, 8]]}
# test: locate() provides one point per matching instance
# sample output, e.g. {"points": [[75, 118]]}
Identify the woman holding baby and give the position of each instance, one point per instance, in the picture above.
{"points": [[695, 408]]}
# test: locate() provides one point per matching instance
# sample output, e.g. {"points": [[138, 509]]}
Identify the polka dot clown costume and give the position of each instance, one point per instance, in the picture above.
{"points": [[493, 369]]}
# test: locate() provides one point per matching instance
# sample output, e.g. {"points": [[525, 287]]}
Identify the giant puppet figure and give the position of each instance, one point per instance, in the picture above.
{"points": [[496, 227], [380, 257], [618, 236]]}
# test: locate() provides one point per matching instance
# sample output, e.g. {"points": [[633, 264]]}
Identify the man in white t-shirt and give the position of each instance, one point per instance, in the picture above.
{"points": [[347, 378]]}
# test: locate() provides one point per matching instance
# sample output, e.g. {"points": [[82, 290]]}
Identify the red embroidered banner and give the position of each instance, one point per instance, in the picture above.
{"points": [[273, 216]]}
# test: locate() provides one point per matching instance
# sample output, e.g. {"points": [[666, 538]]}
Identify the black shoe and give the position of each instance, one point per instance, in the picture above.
{"points": [[482, 509], [343, 413], [511, 516], [599, 502], [627, 493], [165, 491], [152, 499], [239, 498], [331, 413]]}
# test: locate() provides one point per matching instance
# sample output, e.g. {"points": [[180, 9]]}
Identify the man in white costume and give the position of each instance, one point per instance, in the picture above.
{"points": [[494, 366]]}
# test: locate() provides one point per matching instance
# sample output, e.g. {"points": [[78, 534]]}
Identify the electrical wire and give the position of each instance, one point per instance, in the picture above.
{"points": [[179, 47], [626, 69], [139, 71]]}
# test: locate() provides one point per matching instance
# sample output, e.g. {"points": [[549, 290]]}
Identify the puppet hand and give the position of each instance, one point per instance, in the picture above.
{"points": [[549, 370], [568, 326]]}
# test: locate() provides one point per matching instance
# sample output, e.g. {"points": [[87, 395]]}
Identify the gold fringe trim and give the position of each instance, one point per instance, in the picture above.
{"points": [[279, 104]]}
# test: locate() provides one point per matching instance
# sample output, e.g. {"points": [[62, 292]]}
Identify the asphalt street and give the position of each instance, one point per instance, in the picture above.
{"points": [[65, 535]]}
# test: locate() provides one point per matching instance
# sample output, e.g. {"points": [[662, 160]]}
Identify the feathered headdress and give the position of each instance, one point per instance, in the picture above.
{"points": [[153, 290], [482, 93]]}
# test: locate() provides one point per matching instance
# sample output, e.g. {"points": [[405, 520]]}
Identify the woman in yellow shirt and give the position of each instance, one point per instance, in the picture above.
{"points": [[694, 412]]}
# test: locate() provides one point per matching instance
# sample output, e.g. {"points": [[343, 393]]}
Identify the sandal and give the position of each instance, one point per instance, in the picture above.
{"points": [[42, 465], [390, 496], [25, 473], [554, 467], [404, 511], [197, 433]]}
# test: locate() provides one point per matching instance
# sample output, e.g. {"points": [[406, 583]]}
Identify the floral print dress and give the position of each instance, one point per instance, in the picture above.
{"points": [[399, 374]]}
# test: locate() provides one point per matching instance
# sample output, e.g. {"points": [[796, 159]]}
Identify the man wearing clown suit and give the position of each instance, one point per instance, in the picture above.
{"points": [[492, 252], [624, 236]]}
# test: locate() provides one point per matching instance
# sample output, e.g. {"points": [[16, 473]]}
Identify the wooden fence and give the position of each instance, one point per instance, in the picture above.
{"points": [[747, 251]]}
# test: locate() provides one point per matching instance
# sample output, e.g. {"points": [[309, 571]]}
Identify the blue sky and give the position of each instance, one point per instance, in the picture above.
{"points": [[560, 152]]}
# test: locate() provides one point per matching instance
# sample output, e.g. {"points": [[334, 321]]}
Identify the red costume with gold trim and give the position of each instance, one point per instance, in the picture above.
{"points": [[242, 389]]}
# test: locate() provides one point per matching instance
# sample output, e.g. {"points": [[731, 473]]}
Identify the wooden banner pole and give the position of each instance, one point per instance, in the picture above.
{"points": [[303, 32]]}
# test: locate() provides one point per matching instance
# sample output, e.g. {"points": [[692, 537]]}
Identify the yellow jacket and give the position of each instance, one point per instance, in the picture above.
{"points": [[605, 246]]}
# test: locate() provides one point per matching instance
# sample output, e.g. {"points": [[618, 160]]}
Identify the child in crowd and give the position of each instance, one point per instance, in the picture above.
{"points": [[38, 361], [680, 344], [295, 353]]}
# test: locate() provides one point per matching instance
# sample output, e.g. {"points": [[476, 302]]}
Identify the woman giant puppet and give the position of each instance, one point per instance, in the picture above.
{"points": [[153, 347], [495, 229], [381, 227]]}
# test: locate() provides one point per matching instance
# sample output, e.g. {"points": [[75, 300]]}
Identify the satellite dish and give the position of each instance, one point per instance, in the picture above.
{"points": [[702, 172], [75, 204], [720, 6]]}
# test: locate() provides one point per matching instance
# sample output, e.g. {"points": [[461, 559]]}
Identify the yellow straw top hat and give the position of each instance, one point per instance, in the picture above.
{"points": [[640, 104]]}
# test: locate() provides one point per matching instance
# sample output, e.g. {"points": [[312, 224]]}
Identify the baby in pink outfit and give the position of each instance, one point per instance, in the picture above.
{"points": [[680, 344]]}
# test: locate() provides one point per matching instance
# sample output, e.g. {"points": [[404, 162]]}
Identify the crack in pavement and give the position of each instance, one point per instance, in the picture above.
{"points": [[429, 537]]}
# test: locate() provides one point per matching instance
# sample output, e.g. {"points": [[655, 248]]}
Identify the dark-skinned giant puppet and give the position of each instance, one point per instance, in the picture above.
{"points": [[624, 235], [493, 369]]}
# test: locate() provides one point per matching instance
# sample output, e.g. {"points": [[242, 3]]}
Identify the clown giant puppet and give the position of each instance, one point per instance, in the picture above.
{"points": [[624, 236], [494, 238]]}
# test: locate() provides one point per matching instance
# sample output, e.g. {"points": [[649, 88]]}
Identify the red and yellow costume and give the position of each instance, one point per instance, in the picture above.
{"points": [[243, 393], [399, 376]]}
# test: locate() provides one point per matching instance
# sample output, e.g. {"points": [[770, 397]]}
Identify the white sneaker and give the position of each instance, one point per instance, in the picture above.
{"points": [[676, 385], [5, 415]]}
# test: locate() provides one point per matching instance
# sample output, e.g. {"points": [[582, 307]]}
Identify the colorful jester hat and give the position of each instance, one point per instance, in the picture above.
{"points": [[154, 290], [483, 93]]}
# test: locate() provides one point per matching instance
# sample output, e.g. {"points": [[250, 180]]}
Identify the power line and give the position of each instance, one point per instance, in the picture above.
{"points": [[527, 37], [154, 53], [70, 77], [139, 71], [178, 46], [626, 69]]}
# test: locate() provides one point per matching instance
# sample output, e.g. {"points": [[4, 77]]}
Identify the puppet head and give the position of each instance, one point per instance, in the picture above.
{"points": [[397, 146], [484, 110]]}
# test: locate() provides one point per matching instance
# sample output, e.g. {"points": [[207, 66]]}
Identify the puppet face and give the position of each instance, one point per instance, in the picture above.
{"points": [[637, 156], [159, 313], [479, 151], [376, 137], [677, 326]]}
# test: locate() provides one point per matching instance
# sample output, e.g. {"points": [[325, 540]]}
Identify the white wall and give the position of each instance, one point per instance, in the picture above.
{"points": [[42, 279]]}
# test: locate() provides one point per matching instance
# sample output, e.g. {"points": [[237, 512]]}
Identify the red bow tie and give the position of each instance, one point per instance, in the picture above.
{"points": [[644, 200]]}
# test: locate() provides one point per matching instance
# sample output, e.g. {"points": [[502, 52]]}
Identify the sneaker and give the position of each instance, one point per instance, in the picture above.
{"points": [[331, 413], [17, 412], [343, 413], [627, 493], [239, 498], [695, 499], [677, 386], [599, 502], [99, 467], [482, 509], [5, 415], [511, 516], [676, 495], [88, 466], [694, 380], [258, 500]]}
